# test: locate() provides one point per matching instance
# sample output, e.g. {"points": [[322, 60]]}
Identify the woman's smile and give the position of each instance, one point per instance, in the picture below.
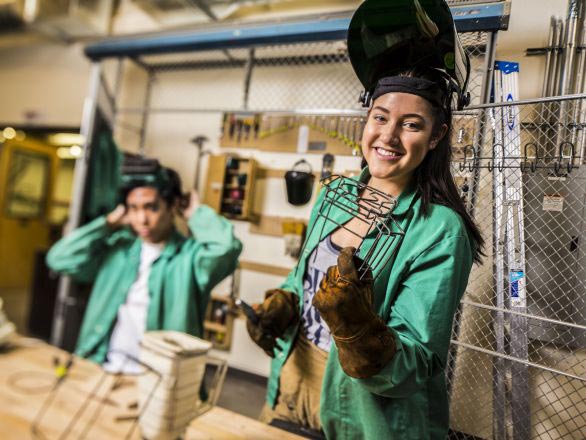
{"points": [[387, 155]]}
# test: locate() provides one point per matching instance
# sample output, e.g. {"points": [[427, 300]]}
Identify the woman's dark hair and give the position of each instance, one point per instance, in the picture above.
{"points": [[433, 177], [169, 188]]}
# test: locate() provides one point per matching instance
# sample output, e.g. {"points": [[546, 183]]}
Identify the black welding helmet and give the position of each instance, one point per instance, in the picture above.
{"points": [[386, 37], [138, 171]]}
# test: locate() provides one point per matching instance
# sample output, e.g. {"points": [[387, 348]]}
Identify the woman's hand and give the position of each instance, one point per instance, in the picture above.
{"points": [[344, 300], [278, 311]]}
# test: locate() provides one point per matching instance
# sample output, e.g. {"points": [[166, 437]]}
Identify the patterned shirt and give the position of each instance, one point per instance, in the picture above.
{"points": [[322, 258]]}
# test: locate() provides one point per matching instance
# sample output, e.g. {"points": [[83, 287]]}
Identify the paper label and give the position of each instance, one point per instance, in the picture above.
{"points": [[303, 139], [553, 203], [517, 287]]}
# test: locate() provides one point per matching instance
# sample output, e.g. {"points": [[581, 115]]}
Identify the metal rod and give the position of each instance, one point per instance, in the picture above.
{"points": [[571, 40], [292, 112], [248, 77], [548, 57], [580, 140], [79, 183], [528, 101], [108, 93], [526, 315], [341, 112], [522, 361], [567, 78], [235, 63], [117, 88], [557, 58], [145, 113], [481, 124]]}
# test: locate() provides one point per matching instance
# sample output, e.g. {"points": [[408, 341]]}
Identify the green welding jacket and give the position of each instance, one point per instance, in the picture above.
{"points": [[180, 280], [416, 295]]}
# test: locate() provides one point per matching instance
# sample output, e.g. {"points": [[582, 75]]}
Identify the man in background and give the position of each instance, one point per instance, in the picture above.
{"points": [[146, 275]]}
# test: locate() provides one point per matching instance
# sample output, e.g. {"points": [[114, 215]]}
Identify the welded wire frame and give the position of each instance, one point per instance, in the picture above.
{"points": [[346, 199]]}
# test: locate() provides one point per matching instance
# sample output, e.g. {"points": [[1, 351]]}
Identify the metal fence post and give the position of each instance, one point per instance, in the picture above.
{"points": [[79, 182]]}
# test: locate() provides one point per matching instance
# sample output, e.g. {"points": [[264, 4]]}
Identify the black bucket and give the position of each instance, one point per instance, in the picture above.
{"points": [[299, 184]]}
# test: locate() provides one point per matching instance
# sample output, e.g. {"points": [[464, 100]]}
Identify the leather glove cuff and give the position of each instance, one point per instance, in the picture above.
{"points": [[366, 353]]}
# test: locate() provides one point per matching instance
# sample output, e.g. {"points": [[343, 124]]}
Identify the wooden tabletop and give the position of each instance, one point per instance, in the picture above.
{"points": [[89, 404]]}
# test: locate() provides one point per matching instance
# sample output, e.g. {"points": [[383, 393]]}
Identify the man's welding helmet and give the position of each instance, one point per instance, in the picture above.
{"points": [[386, 37], [138, 171]]}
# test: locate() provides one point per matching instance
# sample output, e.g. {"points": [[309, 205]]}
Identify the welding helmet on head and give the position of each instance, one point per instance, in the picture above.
{"points": [[387, 37], [139, 171]]}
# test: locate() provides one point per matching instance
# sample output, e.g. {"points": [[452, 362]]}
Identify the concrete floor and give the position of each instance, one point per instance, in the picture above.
{"points": [[243, 393]]}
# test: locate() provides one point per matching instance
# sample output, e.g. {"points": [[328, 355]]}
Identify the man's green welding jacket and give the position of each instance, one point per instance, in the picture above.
{"points": [[180, 281]]}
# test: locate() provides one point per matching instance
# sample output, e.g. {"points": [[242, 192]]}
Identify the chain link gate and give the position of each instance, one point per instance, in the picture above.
{"points": [[154, 97], [518, 370]]}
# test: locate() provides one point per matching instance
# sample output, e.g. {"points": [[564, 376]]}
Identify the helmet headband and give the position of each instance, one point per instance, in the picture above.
{"points": [[424, 88]]}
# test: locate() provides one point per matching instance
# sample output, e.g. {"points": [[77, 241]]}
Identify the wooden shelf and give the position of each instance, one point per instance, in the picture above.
{"points": [[219, 334], [264, 268], [215, 327], [220, 180]]}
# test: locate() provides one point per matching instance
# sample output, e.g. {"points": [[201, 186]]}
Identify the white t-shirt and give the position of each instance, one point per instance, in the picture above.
{"points": [[131, 320]]}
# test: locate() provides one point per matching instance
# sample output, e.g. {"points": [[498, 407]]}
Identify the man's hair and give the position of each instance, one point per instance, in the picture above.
{"points": [[168, 184]]}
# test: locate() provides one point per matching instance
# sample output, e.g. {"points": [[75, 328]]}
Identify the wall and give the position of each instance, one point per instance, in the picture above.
{"points": [[529, 28], [168, 138], [51, 80], [46, 79]]}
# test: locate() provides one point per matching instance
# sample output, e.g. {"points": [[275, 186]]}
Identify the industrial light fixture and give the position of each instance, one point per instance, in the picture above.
{"points": [[9, 133], [65, 139], [72, 152]]}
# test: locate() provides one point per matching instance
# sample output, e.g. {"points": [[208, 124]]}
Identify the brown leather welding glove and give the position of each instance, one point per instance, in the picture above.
{"points": [[365, 344], [278, 311]]}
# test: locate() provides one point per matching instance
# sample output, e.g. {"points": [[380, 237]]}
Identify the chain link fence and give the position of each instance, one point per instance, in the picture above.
{"points": [[518, 363], [514, 371]]}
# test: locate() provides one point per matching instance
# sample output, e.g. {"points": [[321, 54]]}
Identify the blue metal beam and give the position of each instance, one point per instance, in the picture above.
{"points": [[489, 17]]}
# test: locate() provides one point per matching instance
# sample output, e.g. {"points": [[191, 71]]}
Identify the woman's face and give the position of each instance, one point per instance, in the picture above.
{"points": [[397, 136]]}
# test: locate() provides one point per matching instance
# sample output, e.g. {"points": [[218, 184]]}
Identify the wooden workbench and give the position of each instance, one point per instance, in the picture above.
{"points": [[27, 377]]}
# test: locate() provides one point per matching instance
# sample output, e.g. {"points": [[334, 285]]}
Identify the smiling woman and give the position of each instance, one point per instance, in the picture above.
{"points": [[360, 354], [398, 135]]}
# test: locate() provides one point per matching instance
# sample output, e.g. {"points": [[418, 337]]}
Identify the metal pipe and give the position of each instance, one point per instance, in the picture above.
{"points": [[117, 88], [521, 361], [145, 113], [580, 117], [557, 56], [570, 43], [248, 77], [526, 315], [482, 126], [334, 112], [75, 211], [578, 108], [567, 73], [548, 57], [581, 64]]}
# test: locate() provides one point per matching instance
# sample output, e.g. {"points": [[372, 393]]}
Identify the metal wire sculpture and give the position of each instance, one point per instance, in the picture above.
{"points": [[346, 199]]}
